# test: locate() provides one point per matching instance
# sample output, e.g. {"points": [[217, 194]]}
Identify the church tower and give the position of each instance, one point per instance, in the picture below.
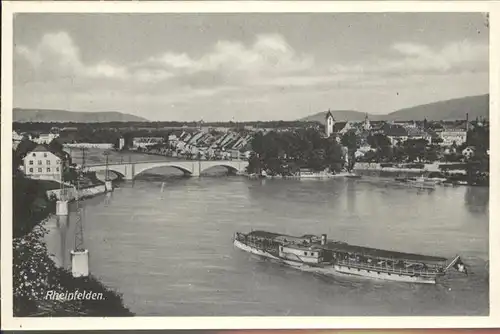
{"points": [[329, 124], [367, 126]]}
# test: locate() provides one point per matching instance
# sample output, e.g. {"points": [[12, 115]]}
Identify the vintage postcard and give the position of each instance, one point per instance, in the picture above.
{"points": [[249, 165]]}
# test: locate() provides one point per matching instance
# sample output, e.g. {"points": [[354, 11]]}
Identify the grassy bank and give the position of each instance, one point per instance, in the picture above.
{"points": [[35, 275]]}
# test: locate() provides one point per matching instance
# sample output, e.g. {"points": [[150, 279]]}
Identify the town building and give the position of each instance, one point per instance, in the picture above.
{"points": [[145, 142], [101, 146], [45, 138], [416, 133], [451, 136], [43, 164], [395, 133]]}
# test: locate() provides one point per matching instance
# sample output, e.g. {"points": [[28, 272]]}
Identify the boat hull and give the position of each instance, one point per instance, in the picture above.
{"points": [[328, 269], [254, 250], [384, 275]]}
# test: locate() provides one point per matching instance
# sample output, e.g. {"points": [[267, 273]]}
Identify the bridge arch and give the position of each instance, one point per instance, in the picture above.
{"points": [[229, 166], [139, 169], [117, 173], [100, 172]]}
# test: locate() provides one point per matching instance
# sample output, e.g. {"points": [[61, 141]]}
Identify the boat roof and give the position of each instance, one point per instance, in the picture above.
{"points": [[347, 248], [272, 235], [265, 234], [380, 253]]}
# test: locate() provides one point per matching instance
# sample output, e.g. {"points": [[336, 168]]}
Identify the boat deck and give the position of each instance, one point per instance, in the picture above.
{"points": [[380, 253], [341, 247]]}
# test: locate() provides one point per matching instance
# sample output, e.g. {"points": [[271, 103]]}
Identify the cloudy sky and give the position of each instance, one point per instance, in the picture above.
{"points": [[246, 66]]}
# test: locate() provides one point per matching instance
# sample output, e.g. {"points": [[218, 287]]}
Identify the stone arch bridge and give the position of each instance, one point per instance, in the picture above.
{"points": [[129, 170]]}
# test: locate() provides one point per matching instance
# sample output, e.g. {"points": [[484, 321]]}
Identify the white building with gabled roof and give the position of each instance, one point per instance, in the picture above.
{"points": [[43, 164]]}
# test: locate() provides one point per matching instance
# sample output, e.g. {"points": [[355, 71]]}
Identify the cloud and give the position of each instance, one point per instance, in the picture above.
{"points": [[228, 63], [56, 56], [232, 73], [418, 59], [269, 52], [234, 63]]}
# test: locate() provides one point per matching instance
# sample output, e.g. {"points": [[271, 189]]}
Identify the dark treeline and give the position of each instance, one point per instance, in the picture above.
{"points": [[283, 153], [48, 126]]}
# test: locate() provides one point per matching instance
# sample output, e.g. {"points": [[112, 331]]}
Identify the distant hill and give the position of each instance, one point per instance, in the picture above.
{"points": [[449, 110], [48, 115], [339, 115], [454, 109]]}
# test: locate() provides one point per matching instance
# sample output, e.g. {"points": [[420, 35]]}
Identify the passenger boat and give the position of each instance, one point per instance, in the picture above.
{"points": [[319, 255], [418, 182], [353, 176]]}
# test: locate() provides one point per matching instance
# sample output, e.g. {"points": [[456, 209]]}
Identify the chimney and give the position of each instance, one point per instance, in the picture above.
{"points": [[323, 239]]}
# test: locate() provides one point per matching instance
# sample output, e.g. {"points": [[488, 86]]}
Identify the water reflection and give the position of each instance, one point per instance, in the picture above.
{"points": [[477, 199], [62, 231], [351, 196]]}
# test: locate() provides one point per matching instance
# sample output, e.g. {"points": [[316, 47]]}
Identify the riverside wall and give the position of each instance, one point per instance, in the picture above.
{"points": [[370, 166], [72, 194], [375, 169]]}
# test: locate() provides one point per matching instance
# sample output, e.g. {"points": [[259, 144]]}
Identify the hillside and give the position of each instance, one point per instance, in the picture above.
{"points": [[47, 115], [475, 106], [454, 109], [339, 115]]}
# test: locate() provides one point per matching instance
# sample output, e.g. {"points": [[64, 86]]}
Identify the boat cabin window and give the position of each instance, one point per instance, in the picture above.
{"points": [[305, 253]]}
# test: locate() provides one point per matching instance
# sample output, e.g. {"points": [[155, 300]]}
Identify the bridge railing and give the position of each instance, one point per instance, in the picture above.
{"points": [[159, 161]]}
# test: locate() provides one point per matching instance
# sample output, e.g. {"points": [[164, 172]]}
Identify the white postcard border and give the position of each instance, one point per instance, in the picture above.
{"points": [[9, 322]]}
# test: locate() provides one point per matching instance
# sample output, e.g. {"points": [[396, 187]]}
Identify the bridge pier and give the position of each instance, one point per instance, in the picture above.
{"points": [[109, 185], [129, 172], [196, 169], [62, 208]]}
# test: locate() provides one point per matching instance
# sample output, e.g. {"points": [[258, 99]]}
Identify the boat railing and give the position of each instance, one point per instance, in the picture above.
{"points": [[386, 268]]}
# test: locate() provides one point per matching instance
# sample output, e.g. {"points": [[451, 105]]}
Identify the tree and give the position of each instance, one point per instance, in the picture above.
{"points": [[436, 140], [25, 146], [16, 163], [479, 137], [378, 140], [350, 140], [129, 140], [415, 149], [55, 146], [303, 147], [333, 155], [254, 163]]}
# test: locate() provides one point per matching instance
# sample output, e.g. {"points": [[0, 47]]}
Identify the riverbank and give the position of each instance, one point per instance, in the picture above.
{"points": [[320, 175], [40, 287], [454, 173], [367, 166]]}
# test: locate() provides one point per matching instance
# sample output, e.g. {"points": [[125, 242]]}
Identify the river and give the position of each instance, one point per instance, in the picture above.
{"points": [[170, 252]]}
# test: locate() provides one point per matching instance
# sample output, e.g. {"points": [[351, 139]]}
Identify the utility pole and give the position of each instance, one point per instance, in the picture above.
{"points": [[83, 158], [79, 241], [107, 182], [79, 255], [107, 168]]}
